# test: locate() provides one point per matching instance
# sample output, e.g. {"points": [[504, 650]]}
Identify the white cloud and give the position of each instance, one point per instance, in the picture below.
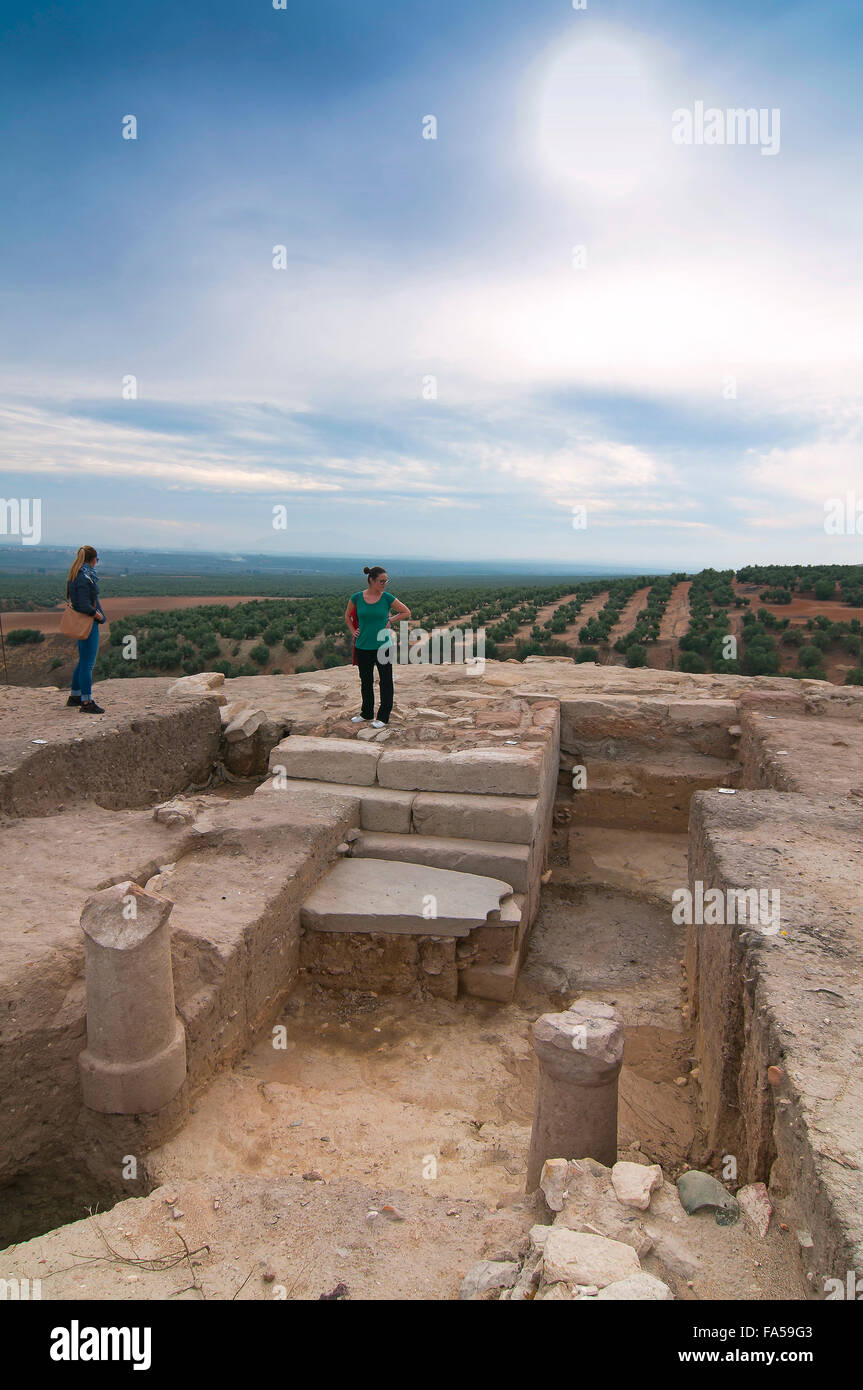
{"points": [[811, 472]]}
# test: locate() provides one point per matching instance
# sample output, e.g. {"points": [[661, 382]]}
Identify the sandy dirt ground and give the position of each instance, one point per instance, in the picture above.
{"points": [[239, 1237], [628, 614], [675, 619]]}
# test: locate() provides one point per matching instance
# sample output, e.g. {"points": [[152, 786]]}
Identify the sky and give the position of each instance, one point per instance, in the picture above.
{"points": [[523, 309]]}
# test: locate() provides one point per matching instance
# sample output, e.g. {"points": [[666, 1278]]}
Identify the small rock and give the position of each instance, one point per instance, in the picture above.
{"points": [[755, 1205], [198, 684], [175, 813], [576, 1258], [681, 1080], [488, 1274], [313, 1176], [774, 1075], [560, 1292], [642, 1287], [633, 1183], [393, 1213], [268, 1276], [553, 1182], [177, 1214]]}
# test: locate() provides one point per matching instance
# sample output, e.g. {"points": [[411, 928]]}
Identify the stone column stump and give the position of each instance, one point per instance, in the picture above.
{"points": [[135, 1059], [580, 1054]]}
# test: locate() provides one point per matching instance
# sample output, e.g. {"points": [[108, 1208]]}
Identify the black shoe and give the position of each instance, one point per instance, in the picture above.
{"points": [[74, 700], [90, 707]]}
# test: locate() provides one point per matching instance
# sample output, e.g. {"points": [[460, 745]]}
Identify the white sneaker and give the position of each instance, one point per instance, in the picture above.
{"points": [[358, 719], [378, 724]]}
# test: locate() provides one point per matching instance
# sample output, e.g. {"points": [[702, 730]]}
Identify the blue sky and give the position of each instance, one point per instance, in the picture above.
{"points": [[437, 370]]}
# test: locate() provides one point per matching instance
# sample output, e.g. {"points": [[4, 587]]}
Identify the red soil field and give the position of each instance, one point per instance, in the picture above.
{"points": [[799, 609], [48, 619]]}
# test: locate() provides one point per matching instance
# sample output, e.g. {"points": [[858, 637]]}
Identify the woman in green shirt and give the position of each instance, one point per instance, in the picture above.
{"points": [[375, 607]]}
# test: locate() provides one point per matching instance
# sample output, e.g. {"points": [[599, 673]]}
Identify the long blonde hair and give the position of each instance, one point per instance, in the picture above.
{"points": [[86, 555]]}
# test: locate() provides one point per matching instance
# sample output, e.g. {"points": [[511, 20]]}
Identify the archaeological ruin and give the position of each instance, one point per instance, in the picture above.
{"points": [[551, 989]]}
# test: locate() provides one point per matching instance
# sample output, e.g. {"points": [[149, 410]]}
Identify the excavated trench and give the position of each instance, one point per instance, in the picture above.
{"points": [[371, 1087], [384, 1088]]}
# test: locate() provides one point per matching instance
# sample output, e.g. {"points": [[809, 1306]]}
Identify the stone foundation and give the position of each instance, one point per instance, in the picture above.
{"points": [[780, 1084]]}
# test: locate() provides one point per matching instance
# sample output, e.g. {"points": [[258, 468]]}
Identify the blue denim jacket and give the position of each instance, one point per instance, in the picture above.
{"points": [[83, 591]]}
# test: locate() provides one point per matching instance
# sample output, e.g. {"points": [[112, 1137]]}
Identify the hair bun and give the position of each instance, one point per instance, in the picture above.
{"points": [[365, 569]]}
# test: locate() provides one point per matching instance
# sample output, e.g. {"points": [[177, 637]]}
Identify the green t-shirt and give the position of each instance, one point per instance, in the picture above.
{"points": [[372, 619]]}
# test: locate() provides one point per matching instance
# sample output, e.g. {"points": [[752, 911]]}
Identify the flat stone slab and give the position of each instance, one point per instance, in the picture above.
{"points": [[499, 771], [484, 857], [326, 759], [379, 895]]}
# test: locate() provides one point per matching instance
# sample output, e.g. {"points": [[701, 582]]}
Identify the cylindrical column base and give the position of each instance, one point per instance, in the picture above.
{"points": [[135, 1058], [135, 1088], [575, 1115]]}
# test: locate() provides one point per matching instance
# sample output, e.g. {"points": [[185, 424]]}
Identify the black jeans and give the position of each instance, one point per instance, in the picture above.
{"points": [[367, 661]]}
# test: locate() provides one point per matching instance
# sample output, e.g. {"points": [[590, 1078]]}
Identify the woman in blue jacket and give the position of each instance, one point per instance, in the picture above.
{"points": [[82, 591]]}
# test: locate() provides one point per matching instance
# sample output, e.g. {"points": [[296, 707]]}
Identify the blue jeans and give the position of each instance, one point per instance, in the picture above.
{"points": [[82, 676]]}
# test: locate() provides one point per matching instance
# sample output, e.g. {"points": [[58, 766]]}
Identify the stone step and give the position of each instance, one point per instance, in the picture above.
{"points": [[504, 819], [381, 808], [516, 771], [398, 898], [489, 857], [326, 759], [461, 815]]}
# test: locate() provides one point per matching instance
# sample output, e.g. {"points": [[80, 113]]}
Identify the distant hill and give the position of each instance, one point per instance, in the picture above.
{"points": [[21, 559]]}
